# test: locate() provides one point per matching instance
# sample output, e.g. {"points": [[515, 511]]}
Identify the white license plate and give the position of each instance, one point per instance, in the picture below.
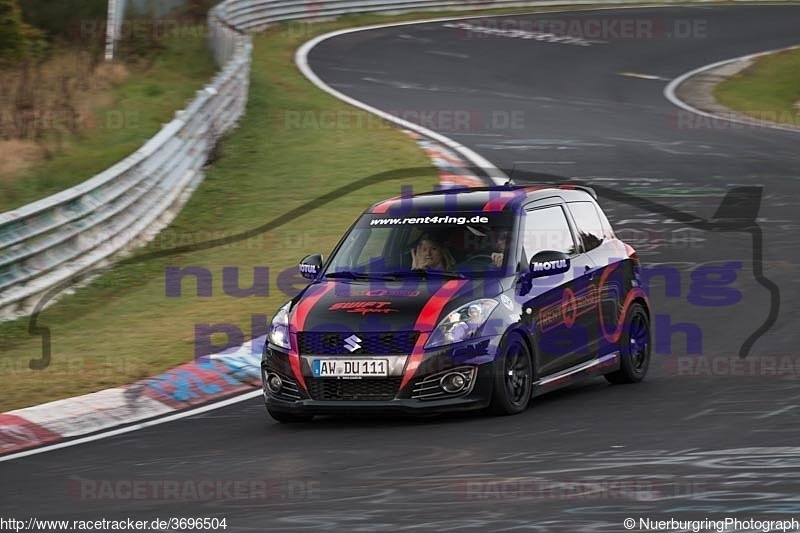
{"points": [[350, 368]]}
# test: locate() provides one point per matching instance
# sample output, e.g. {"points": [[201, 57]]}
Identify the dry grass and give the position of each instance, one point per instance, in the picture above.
{"points": [[45, 106], [86, 116], [17, 156]]}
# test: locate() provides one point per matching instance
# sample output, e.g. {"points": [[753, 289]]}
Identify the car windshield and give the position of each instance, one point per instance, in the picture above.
{"points": [[463, 245]]}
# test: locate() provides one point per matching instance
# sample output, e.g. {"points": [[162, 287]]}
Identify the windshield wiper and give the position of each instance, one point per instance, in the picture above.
{"points": [[444, 274], [346, 274], [422, 273]]}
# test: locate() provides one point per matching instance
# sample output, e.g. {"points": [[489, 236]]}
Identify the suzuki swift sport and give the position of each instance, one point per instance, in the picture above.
{"points": [[457, 300]]}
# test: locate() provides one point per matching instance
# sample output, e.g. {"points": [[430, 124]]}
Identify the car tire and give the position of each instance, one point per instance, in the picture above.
{"points": [[285, 417], [635, 347], [513, 378]]}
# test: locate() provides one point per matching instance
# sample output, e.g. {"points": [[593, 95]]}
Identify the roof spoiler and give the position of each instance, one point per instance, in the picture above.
{"points": [[563, 186], [583, 188]]}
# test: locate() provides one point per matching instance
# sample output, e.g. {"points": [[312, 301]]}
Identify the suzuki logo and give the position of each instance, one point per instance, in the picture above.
{"points": [[352, 343]]}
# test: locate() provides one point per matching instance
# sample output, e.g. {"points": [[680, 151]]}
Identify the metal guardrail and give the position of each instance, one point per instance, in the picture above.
{"points": [[50, 241]]}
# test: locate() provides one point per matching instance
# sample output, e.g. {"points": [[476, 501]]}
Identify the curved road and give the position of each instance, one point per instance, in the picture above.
{"points": [[710, 440]]}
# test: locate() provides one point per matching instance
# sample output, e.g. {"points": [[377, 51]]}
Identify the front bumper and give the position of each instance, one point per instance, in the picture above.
{"points": [[421, 395], [404, 407]]}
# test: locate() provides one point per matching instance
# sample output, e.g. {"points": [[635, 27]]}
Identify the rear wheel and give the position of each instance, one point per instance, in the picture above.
{"points": [[285, 417], [513, 381], [635, 347]]}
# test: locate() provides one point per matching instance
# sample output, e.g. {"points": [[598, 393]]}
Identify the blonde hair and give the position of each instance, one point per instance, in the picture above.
{"points": [[447, 256]]}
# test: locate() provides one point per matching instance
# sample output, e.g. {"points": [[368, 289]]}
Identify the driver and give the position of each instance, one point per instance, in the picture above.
{"points": [[500, 241], [430, 252]]}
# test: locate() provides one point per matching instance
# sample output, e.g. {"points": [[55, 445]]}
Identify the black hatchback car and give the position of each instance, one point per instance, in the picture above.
{"points": [[456, 300]]}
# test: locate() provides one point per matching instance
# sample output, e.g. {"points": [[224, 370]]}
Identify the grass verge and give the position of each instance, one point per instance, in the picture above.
{"points": [[767, 90]]}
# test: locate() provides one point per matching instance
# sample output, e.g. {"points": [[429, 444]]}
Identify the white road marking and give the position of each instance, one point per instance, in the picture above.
{"points": [[301, 60], [408, 37], [497, 176], [777, 412], [359, 70], [699, 414], [447, 54], [120, 431], [545, 162], [669, 91], [462, 134], [642, 76]]}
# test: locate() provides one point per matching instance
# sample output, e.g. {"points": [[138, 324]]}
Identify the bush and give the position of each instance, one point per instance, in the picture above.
{"points": [[62, 18]]}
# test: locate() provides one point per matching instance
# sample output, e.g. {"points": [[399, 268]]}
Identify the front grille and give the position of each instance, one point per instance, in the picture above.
{"points": [[333, 343], [353, 389]]}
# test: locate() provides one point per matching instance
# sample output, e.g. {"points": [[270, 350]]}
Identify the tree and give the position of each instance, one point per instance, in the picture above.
{"points": [[17, 39], [11, 30], [62, 19]]}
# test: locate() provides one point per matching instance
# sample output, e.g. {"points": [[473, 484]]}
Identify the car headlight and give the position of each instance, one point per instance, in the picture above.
{"points": [[279, 328], [463, 323]]}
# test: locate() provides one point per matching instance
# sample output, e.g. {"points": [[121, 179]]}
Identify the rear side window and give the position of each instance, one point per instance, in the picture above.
{"points": [[608, 231], [589, 224], [547, 228]]}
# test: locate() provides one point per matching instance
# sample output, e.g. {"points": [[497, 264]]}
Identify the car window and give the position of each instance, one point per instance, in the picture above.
{"points": [[473, 245], [373, 246], [547, 228], [589, 225], [608, 231]]}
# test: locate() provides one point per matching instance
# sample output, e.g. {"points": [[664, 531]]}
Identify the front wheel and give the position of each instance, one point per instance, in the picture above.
{"points": [[635, 347], [513, 382]]}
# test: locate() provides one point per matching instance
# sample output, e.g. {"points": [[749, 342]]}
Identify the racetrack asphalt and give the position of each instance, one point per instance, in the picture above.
{"points": [[702, 437]]}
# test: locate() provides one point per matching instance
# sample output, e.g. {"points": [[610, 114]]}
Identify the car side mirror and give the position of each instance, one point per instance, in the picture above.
{"points": [[549, 263], [310, 266]]}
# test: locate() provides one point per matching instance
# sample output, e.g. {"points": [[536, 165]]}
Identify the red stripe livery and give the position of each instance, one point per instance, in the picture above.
{"points": [[426, 321], [297, 322]]}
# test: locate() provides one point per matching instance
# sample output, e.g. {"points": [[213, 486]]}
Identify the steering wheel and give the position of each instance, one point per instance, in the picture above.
{"points": [[479, 259]]}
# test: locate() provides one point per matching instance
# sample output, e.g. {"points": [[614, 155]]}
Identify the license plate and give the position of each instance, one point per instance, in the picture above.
{"points": [[350, 368]]}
